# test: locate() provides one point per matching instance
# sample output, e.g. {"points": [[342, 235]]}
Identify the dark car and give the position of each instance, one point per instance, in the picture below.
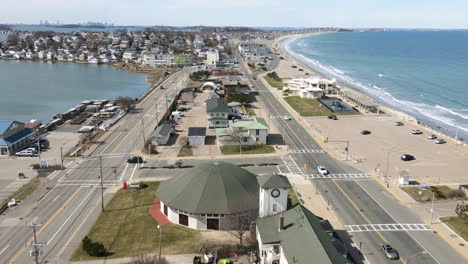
{"points": [[389, 251], [135, 159], [334, 117], [253, 78], [407, 157], [162, 87], [365, 132]]}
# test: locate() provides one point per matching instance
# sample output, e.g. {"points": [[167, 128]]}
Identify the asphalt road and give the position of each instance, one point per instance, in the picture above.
{"points": [[75, 192], [356, 201]]}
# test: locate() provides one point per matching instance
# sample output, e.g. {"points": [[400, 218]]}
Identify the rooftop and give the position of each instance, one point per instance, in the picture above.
{"points": [[303, 238], [217, 105]]}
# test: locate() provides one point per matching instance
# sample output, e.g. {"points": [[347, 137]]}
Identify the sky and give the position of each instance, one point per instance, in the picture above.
{"points": [[258, 13]]}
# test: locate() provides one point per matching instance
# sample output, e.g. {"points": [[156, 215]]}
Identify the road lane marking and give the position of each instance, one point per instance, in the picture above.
{"points": [[56, 198], [133, 172], [4, 249], [110, 143], [339, 176], [419, 243], [359, 212], [74, 211], [46, 224], [387, 227], [123, 173]]}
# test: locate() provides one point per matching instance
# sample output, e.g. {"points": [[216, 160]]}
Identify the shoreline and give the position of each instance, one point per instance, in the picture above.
{"points": [[150, 81], [419, 120]]}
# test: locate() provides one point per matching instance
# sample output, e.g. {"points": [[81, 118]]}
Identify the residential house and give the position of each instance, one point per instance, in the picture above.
{"points": [[162, 134], [196, 136], [249, 131], [217, 111], [300, 237], [310, 88], [212, 57]]}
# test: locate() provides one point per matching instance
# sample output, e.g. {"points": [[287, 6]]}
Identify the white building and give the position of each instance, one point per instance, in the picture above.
{"points": [[249, 131], [212, 57], [310, 88], [217, 111]]}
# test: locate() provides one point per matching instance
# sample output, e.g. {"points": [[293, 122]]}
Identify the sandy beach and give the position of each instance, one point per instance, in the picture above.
{"points": [[379, 153]]}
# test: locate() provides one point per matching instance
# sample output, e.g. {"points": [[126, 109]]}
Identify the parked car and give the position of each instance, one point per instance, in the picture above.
{"points": [[135, 159], [162, 87], [253, 78], [416, 132], [334, 117], [365, 132], [25, 153], [407, 157], [287, 118], [293, 66], [389, 251], [322, 170], [33, 149], [399, 123], [301, 70], [440, 141], [431, 136]]}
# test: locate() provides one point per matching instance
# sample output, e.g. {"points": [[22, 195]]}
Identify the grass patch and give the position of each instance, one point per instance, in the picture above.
{"points": [[250, 111], [249, 149], [293, 200], [458, 225], [274, 83], [27, 189], [127, 229], [311, 107], [185, 151], [414, 193]]}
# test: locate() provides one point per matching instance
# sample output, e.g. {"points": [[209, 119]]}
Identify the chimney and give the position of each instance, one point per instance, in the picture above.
{"points": [[281, 223]]}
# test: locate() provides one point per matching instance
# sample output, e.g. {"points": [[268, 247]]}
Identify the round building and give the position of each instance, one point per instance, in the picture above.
{"points": [[217, 196]]}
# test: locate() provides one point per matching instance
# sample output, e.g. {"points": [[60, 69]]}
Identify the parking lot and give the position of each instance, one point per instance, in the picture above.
{"points": [[388, 142]]}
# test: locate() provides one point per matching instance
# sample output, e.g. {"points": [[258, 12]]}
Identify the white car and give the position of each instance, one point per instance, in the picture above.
{"points": [[25, 153], [287, 118], [322, 170], [431, 136], [416, 131]]}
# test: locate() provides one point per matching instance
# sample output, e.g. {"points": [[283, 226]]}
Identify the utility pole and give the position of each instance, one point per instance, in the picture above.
{"points": [[102, 184], [143, 129], [160, 227], [37, 251], [61, 156]]}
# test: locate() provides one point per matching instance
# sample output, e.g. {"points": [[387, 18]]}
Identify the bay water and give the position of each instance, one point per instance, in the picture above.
{"points": [[39, 90], [424, 74]]}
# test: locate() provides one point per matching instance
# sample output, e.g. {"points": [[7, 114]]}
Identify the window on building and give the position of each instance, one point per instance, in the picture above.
{"points": [[245, 139], [257, 132], [275, 207]]}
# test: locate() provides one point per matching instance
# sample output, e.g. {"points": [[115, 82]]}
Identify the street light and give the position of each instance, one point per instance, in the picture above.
{"points": [[409, 258], [160, 227]]}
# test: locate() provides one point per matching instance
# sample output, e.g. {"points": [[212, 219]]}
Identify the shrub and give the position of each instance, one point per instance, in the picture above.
{"points": [[456, 194], [95, 249], [437, 192]]}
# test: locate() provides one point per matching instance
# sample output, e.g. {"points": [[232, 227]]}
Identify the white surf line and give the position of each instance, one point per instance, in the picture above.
{"points": [[74, 211], [133, 172], [375, 200], [3, 250], [123, 173]]}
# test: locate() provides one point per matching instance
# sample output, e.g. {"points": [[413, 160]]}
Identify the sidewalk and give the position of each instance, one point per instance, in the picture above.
{"points": [[173, 259], [313, 200], [447, 234]]}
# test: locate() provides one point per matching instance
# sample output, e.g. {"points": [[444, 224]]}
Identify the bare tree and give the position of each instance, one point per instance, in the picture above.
{"points": [[242, 226], [237, 135], [462, 210], [125, 102]]}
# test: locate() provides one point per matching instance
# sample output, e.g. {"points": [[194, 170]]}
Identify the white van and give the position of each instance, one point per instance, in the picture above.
{"points": [[177, 114], [25, 153]]}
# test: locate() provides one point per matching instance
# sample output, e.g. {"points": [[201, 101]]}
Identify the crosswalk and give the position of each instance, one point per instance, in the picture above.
{"points": [[386, 228], [299, 151], [291, 165], [338, 176]]}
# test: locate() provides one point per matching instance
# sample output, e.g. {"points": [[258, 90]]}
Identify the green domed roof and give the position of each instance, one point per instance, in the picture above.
{"points": [[211, 188]]}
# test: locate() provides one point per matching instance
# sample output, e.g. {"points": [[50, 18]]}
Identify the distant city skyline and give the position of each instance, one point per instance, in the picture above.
{"points": [[254, 13]]}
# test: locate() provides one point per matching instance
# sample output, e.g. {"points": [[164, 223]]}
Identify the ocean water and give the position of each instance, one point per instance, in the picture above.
{"points": [[424, 74], [39, 90]]}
